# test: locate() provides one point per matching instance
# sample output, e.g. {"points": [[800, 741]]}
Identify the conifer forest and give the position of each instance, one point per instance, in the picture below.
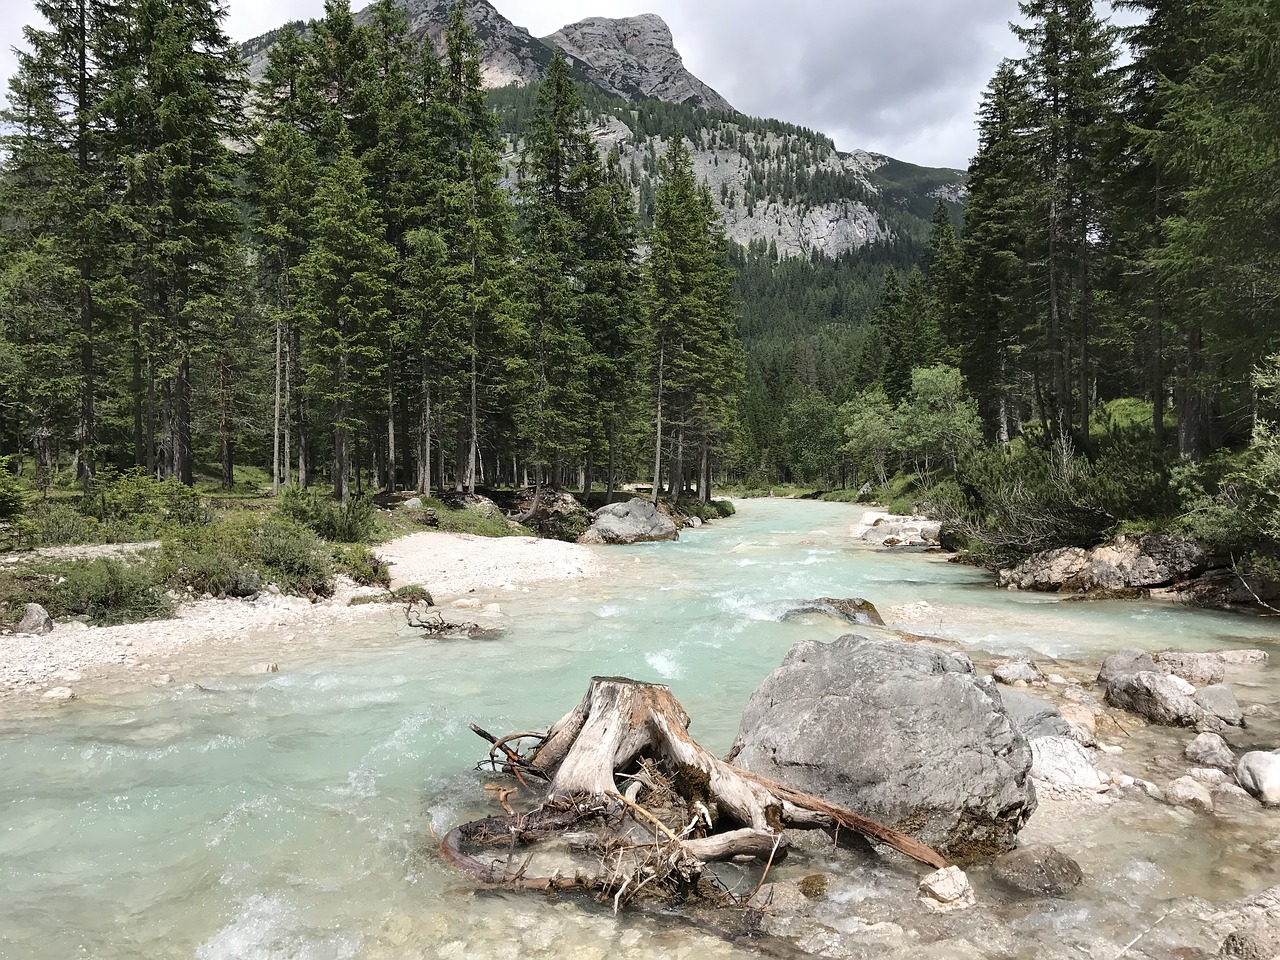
{"points": [[365, 272]]}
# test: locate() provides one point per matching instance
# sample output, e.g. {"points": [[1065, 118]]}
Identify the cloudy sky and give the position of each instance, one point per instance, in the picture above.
{"points": [[901, 77]]}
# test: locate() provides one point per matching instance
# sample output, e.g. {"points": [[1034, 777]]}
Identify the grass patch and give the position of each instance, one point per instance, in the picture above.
{"points": [[104, 591]]}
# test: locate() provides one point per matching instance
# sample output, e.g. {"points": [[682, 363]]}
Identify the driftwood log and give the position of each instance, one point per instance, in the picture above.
{"points": [[621, 775]]}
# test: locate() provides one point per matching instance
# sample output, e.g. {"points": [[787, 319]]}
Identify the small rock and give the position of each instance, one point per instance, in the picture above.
{"points": [[1209, 776], [267, 668], [35, 621], [1259, 773], [273, 589], [1057, 680], [693, 522], [467, 603], [1186, 792], [163, 680], [1039, 869], [59, 693], [1218, 700], [1229, 795], [946, 890], [1015, 670], [1243, 657], [413, 503], [1257, 710], [1258, 940], [1210, 750], [494, 608], [1111, 749]]}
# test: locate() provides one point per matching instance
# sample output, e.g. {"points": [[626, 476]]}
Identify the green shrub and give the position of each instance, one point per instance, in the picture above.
{"points": [[110, 592], [293, 557], [363, 566], [13, 498], [354, 522], [56, 523], [724, 508], [137, 506]]}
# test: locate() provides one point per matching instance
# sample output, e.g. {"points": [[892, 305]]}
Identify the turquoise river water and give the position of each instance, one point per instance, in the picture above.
{"points": [[291, 816]]}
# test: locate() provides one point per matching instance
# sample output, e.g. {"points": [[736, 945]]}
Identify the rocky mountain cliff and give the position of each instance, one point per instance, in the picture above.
{"points": [[779, 186], [635, 58]]}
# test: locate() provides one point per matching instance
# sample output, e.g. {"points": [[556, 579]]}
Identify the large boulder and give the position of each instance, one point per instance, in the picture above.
{"points": [[1199, 669], [35, 620], [1124, 564], [1033, 716], [1259, 773], [903, 733], [634, 521], [1160, 699], [1218, 700]]}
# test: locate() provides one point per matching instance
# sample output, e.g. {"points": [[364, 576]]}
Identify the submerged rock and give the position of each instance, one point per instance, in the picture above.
{"points": [[634, 521], [1210, 750], [853, 610], [1189, 792], [930, 750], [1039, 869]]}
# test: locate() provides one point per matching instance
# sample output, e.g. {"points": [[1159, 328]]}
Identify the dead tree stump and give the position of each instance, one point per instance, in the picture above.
{"points": [[625, 752]]}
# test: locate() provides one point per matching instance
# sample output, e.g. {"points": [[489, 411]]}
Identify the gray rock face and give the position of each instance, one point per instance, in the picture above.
{"points": [[1063, 763], [635, 521], [1221, 702], [1125, 664], [937, 755], [635, 57], [1200, 669], [1126, 563], [1033, 716], [1039, 869], [1159, 699], [1254, 926], [35, 620], [1259, 773], [1210, 750]]}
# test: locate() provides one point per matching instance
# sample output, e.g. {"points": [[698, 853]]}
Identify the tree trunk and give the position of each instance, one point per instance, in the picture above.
{"points": [[391, 465], [275, 421], [424, 436], [140, 457], [225, 452], [657, 442], [610, 480]]}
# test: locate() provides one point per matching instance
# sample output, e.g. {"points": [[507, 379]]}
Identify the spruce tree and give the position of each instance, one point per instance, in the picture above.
{"points": [[343, 283]]}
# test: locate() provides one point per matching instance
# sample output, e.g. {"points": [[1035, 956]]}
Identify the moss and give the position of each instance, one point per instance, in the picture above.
{"points": [[815, 886]]}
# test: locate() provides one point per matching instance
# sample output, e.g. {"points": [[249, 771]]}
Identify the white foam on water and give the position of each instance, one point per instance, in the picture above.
{"points": [[271, 928], [664, 663]]}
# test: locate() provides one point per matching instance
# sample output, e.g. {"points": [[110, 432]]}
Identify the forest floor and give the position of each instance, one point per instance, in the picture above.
{"points": [[230, 636]]}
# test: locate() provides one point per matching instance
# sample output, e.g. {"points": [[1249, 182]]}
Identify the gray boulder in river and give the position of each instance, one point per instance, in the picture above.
{"points": [[852, 610], [634, 521], [904, 733]]}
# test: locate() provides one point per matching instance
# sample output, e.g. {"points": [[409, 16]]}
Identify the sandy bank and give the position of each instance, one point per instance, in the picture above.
{"points": [[248, 634]]}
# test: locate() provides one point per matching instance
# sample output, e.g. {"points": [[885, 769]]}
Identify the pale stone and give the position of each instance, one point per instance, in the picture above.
{"points": [[467, 603], [947, 890], [1186, 792], [60, 693], [1259, 773]]}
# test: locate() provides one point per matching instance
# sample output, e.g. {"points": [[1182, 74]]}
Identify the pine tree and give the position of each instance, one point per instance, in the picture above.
{"points": [[54, 193], [175, 100], [343, 285]]}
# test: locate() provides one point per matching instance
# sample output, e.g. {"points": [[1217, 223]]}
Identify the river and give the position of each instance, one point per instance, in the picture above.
{"points": [[291, 816]]}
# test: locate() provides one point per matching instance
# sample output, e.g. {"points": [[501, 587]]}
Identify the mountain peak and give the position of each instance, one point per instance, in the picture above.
{"points": [[635, 57]]}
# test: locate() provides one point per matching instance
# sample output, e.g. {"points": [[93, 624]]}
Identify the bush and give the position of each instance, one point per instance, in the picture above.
{"points": [[292, 556], [54, 523], [361, 564], [724, 508], [109, 592], [134, 500], [13, 499], [354, 522]]}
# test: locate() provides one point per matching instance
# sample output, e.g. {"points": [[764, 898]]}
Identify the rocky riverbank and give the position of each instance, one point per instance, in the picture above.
{"points": [[468, 577]]}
